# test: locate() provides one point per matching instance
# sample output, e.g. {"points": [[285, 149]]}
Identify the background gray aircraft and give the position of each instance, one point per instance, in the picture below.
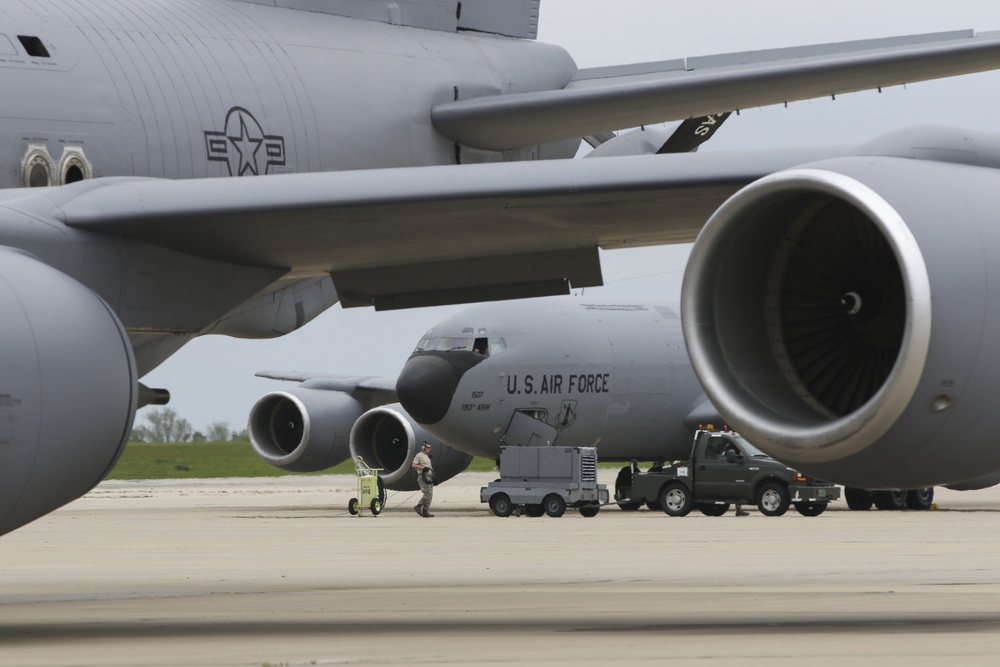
{"points": [[612, 374], [363, 121]]}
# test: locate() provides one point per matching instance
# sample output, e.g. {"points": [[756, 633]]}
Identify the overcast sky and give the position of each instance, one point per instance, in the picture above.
{"points": [[213, 379]]}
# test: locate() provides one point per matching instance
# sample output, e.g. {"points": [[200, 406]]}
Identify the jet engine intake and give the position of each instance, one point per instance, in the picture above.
{"points": [[68, 389], [845, 316], [303, 429], [388, 438]]}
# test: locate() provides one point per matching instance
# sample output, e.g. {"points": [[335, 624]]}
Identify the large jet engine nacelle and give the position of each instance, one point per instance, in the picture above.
{"points": [[68, 389], [845, 316], [386, 437], [303, 429]]}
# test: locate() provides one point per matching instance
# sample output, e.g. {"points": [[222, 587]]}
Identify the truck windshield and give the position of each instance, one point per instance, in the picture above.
{"points": [[748, 448]]}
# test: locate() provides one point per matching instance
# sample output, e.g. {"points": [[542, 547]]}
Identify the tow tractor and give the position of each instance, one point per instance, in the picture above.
{"points": [[724, 469]]}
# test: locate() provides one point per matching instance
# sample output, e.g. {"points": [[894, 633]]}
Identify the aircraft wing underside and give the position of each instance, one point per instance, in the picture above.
{"points": [[369, 391], [398, 238], [610, 98]]}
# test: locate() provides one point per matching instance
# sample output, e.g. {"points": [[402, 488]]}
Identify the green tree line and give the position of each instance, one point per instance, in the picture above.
{"points": [[165, 425]]}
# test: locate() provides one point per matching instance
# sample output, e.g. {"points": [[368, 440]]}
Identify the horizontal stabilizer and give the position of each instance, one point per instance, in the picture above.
{"points": [[613, 98]]}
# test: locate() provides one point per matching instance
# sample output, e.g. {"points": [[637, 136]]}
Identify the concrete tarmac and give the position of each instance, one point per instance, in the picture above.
{"points": [[275, 572]]}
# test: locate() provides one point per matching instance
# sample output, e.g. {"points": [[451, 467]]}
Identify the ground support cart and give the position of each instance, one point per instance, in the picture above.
{"points": [[371, 492], [546, 480]]}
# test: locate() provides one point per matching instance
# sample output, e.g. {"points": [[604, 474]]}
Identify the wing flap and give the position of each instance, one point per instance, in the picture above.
{"points": [[613, 98]]}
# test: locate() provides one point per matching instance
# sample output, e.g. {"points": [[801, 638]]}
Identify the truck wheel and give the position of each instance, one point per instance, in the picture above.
{"points": [[534, 510], [772, 499], [501, 505], [810, 509], [714, 509], [654, 505], [889, 500], [590, 510], [629, 507], [554, 505], [675, 499], [858, 500], [353, 505], [920, 499]]}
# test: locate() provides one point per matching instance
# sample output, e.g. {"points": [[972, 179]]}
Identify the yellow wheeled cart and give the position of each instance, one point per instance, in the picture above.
{"points": [[371, 492]]}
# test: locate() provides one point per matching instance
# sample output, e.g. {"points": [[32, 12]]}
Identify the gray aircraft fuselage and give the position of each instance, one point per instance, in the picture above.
{"points": [[607, 373], [218, 89]]}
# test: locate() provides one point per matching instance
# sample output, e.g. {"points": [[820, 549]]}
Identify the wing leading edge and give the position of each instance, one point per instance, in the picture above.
{"points": [[431, 235], [612, 98]]}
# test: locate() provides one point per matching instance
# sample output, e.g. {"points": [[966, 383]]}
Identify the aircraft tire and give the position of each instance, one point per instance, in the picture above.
{"points": [[554, 505], [810, 509], [920, 499], [772, 499], [713, 509], [858, 500], [675, 499], [501, 505], [889, 500]]}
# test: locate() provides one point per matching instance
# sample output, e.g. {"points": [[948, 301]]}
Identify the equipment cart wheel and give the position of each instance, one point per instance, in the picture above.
{"points": [[590, 510], [713, 509], [810, 509], [501, 505], [376, 507], [534, 510], [554, 505], [772, 499], [675, 499], [353, 506]]}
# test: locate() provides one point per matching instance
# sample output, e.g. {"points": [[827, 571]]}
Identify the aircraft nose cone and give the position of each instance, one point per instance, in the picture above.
{"points": [[426, 386]]}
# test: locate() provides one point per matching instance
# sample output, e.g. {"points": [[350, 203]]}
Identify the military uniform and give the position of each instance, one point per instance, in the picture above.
{"points": [[425, 478]]}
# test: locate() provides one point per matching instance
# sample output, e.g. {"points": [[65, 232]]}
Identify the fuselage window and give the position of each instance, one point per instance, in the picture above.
{"points": [[481, 346], [33, 46]]}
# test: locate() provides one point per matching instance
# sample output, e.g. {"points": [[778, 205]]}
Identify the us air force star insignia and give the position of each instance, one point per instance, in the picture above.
{"points": [[238, 145]]}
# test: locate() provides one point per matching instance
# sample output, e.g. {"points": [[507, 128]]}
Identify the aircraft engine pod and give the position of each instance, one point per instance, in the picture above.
{"points": [[843, 316], [68, 389], [303, 429], [386, 437]]}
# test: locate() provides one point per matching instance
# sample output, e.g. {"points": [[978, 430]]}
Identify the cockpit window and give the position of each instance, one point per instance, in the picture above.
{"points": [[482, 345], [444, 344]]}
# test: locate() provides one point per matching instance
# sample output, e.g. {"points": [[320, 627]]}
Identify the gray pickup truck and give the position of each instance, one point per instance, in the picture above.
{"points": [[724, 469]]}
